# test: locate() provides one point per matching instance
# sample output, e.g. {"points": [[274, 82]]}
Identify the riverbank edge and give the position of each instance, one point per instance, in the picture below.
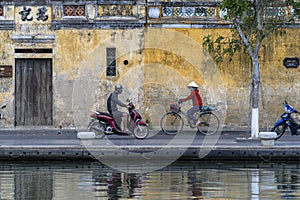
{"points": [[220, 152]]}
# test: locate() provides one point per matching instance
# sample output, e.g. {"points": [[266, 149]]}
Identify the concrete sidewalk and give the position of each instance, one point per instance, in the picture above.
{"points": [[63, 144]]}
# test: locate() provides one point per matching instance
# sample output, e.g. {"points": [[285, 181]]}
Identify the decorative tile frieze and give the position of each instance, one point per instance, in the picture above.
{"points": [[74, 10], [189, 11], [178, 11], [276, 11], [119, 10], [199, 11], [167, 11], [107, 14]]}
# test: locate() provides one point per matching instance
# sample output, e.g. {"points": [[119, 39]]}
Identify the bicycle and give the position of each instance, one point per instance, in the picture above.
{"points": [[172, 122]]}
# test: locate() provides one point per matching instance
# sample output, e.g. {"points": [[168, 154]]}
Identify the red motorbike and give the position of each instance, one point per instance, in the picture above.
{"points": [[103, 124]]}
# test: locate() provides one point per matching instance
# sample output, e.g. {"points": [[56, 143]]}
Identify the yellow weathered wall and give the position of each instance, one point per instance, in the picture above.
{"points": [[6, 84], [161, 62], [80, 64], [279, 83], [157, 74]]}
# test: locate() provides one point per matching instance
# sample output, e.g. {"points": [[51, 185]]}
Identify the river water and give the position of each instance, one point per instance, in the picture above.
{"points": [[180, 180]]}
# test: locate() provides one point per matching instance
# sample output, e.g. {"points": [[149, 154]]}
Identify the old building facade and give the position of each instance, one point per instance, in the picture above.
{"points": [[61, 59]]}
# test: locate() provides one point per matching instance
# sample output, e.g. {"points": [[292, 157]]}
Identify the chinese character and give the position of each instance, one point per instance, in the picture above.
{"points": [[42, 14], [25, 13]]}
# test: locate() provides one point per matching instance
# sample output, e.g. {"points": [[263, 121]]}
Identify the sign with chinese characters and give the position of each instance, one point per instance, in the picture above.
{"points": [[33, 20], [37, 14], [291, 62]]}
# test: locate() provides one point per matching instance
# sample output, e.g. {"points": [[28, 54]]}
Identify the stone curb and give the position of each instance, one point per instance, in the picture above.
{"points": [[77, 152]]}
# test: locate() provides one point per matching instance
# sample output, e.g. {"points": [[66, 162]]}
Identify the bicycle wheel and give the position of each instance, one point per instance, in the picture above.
{"points": [[208, 123], [171, 123], [279, 130]]}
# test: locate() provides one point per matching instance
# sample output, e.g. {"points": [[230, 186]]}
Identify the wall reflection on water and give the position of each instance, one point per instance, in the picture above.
{"points": [[181, 180]]}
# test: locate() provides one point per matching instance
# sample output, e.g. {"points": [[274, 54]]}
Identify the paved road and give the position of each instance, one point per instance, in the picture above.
{"points": [[63, 144], [69, 137]]}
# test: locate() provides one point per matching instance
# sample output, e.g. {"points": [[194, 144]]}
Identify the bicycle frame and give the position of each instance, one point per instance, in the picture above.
{"points": [[180, 112], [172, 122]]}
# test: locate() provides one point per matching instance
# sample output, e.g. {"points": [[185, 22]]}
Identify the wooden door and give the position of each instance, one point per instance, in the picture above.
{"points": [[33, 92]]}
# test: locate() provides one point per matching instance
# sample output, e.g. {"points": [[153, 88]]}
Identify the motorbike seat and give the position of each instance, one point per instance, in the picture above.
{"points": [[105, 113]]}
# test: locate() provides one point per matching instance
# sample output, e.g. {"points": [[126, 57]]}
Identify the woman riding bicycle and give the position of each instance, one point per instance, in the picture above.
{"points": [[196, 99]]}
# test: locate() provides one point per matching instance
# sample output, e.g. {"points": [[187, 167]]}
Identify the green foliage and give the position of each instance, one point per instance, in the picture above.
{"points": [[295, 5], [253, 21], [148, 121], [236, 8], [220, 47]]}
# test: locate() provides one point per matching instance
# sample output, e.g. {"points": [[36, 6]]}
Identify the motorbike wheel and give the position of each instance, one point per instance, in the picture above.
{"points": [[140, 131], [279, 130], [97, 128]]}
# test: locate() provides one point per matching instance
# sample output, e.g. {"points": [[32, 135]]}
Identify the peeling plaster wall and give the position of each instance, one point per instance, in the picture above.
{"points": [[157, 74], [278, 82], [6, 84], [81, 63], [160, 63]]}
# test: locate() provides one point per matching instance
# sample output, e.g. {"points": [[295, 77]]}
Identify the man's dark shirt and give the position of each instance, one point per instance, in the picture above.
{"points": [[113, 101]]}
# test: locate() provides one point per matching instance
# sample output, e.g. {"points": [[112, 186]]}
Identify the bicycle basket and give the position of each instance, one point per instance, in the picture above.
{"points": [[208, 108], [174, 107]]}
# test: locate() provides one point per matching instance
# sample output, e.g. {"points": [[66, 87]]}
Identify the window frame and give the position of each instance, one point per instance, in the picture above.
{"points": [[111, 62]]}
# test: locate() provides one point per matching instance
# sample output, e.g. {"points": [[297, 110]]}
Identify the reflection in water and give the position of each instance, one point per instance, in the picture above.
{"points": [[181, 180]]}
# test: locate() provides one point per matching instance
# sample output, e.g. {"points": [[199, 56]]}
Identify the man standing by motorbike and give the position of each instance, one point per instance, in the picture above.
{"points": [[197, 101], [112, 106]]}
